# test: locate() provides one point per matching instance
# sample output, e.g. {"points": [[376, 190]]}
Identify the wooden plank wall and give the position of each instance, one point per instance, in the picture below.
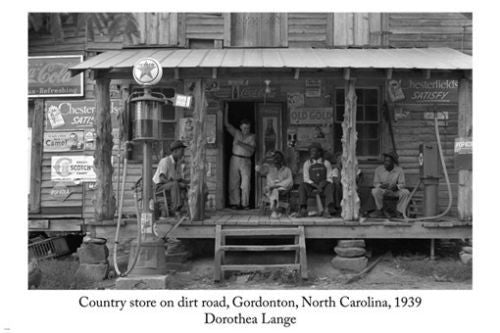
{"points": [[204, 26], [452, 30], [307, 29]]}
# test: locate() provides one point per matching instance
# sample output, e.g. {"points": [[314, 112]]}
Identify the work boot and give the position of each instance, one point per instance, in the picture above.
{"points": [[377, 214], [326, 214], [275, 215]]}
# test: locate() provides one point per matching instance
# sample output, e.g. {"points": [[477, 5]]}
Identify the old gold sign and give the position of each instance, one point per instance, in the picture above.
{"points": [[311, 116]]}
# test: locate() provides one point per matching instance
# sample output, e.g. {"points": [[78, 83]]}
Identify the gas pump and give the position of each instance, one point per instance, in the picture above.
{"points": [[147, 252], [428, 159]]}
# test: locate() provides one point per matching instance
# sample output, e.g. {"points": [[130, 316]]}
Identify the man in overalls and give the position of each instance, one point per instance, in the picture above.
{"points": [[317, 174], [240, 165]]}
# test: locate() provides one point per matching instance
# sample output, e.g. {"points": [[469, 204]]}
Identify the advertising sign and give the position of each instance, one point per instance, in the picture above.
{"points": [[60, 192], [80, 114], [428, 91], [63, 141], [312, 116], [48, 76], [71, 168]]}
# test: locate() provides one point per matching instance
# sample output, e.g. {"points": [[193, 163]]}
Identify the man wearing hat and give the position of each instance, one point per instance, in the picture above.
{"points": [[279, 179], [389, 180], [168, 176], [318, 179]]}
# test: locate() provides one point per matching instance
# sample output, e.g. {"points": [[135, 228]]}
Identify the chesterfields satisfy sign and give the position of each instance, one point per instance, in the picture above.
{"points": [[71, 115], [431, 91], [49, 76]]}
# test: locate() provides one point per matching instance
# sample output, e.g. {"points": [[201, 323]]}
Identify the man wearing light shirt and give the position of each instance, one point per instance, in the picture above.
{"points": [[389, 180], [279, 179], [318, 179], [168, 176], [240, 164]]}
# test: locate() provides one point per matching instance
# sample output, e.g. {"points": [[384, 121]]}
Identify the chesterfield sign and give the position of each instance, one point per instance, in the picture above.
{"points": [[49, 76]]}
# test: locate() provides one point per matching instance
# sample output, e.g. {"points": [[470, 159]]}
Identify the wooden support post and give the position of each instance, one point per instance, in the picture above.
{"points": [[297, 73], [176, 73], [388, 74], [104, 200], [214, 73], [350, 199], [464, 197], [427, 74], [347, 74], [433, 249], [36, 157], [198, 154]]}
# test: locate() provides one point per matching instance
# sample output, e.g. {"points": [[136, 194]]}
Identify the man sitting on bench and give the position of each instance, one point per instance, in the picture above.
{"points": [[279, 179], [389, 180], [168, 176], [318, 181]]}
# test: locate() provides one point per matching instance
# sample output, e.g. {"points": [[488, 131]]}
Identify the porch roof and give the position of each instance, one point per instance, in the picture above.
{"points": [[409, 58]]}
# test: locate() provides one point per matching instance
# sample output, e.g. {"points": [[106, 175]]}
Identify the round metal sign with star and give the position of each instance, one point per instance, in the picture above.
{"points": [[147, 71]]}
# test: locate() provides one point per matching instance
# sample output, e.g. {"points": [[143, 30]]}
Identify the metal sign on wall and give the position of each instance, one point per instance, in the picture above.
{"points": [[63, 141], [311, 116], [72, 168], [430, 91], [80, 114], [48, 76]]}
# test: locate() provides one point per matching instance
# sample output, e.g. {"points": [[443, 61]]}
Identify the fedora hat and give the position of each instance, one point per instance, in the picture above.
{"points": [[393, 155], [176, 145]]}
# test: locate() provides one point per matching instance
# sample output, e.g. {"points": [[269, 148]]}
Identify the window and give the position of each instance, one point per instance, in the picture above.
{"points": [[367, 121]]}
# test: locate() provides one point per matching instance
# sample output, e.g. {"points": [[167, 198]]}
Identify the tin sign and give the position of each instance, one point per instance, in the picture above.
{"points": [[77, 114], [312, 116], [71, 168], [147, 71], [48, 76], [60, 192], [431, 91], [63, 141]]}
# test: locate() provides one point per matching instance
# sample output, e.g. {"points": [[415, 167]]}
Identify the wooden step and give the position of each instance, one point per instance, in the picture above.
{"points": [[257, 248], [261, 232], [249, 268]]}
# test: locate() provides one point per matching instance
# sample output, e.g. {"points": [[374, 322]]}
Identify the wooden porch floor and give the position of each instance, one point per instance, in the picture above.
{"points": [[319, 227]]}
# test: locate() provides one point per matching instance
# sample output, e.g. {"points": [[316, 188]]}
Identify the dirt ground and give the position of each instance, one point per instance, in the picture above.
{"points": [[406, 269]]}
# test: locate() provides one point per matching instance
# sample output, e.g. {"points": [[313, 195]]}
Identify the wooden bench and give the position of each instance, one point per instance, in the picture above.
{"points": [[299, 246]]}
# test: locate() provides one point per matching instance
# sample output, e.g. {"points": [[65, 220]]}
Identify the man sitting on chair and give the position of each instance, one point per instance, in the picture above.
{"points": [[168, 176], [317, 181], [389, 180], [278, 180]]}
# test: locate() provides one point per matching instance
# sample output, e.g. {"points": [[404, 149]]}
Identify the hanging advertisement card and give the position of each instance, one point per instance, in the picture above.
{"points": [[71, 168], [186, 130], [211, 128], [295, 100], [63, 141]]}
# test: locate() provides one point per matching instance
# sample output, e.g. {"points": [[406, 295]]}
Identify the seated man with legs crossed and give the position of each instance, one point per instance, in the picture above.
{"points": [[168, 176], [278, 180], [318, 180], [389, 180]]}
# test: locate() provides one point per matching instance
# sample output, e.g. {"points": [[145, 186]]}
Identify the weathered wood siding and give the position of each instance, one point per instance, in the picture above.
{"points": [[307, 29], [204, 25], [452, 30]]}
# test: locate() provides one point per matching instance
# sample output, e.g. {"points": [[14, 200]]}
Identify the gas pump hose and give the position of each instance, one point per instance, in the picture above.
{"points": [[450, 197], [118, 224]]}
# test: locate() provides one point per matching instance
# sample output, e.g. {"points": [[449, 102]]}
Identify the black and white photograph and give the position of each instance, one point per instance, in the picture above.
{"points": [[191, 184]]}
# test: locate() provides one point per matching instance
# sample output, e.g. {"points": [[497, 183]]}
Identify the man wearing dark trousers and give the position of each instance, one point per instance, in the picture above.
{"points": [[317, 174]]}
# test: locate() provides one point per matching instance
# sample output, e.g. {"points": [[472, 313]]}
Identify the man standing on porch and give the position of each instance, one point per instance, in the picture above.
{"points": [[240, 166], [389, 180], [318, 180]]}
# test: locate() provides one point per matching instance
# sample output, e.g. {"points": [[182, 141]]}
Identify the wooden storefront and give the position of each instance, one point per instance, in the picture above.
{"points": [[219, 57], [316, 103]]}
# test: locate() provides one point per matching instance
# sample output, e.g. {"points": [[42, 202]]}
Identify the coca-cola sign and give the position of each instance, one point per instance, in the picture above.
{"points": [[48, 76]]}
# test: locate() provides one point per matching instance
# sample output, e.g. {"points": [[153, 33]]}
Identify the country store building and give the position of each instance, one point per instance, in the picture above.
{"points": [[369, 82]]}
